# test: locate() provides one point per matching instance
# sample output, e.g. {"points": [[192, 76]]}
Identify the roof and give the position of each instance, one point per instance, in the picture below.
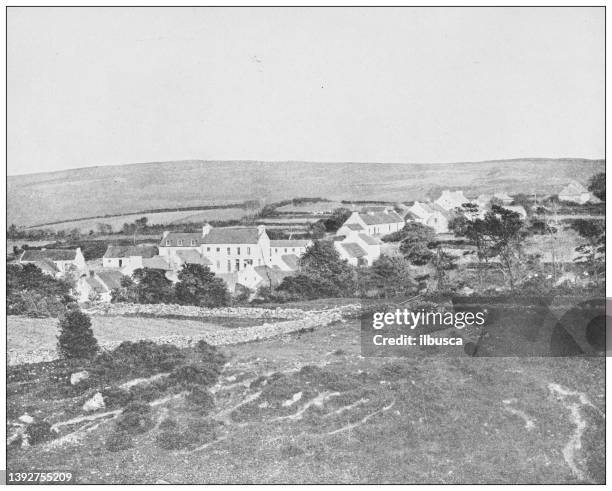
{"points": [[47, 266], [186, 237], [503, 196], [291, 260], [573, 188], [353, 250], [156, 262], [130, 250], [368, 239], [456, 195], [376, 208], [95, 285], [354, 226], [379, 218], [192, 257], [273, 275], [290, 243], [110, 278], [230, 235], [49, 254]]}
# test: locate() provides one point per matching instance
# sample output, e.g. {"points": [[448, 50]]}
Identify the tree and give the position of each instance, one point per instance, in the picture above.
{"points": [[322, 273], [593, 252], [597, 185], [415, 240], [521, 199], [337, 219], [152, 286], [197, 285], [126, 292], [392, 274], [76, 339]]}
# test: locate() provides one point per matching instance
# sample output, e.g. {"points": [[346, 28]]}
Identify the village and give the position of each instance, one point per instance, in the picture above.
{"points": [[246, 259]]}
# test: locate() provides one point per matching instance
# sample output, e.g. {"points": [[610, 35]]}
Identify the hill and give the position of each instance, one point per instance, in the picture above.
{"points": [[53, 196]]}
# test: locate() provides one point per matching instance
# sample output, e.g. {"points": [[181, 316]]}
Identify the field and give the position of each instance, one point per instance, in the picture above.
{"points": [[97, 191], [308, 408]]}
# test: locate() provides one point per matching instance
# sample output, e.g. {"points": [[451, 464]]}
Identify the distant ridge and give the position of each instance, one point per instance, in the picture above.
{"points": [[115, 189]]}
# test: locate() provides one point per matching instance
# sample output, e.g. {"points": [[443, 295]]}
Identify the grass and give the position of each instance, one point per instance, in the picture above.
{"points": [[311, 409]]}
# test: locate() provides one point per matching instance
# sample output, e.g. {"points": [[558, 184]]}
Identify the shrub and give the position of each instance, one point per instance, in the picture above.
{"points": [[119, 440], [210, 354], [135, 418], [168, 424], [76, 339], [39, 432], [189, 375], [173, 440], [202, 399], [115, 397]]}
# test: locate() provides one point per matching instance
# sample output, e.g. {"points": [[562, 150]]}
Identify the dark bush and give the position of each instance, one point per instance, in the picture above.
{"points": [[168, 424], [115, 397], [76, 339], [135, 418], [201, 399], [173, 440], [119, 440], [210, 354], [39, 432], [189, 375]]}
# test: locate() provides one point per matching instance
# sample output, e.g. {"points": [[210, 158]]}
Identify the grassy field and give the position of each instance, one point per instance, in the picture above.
{"points": [[96, 191], [307, 408]]}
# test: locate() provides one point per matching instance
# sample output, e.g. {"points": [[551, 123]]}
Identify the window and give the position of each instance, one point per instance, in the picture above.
{"points": [[275, 250], [228, 251], [229, 265], [218, 265], [248, 251], [193, 242], [120, 263], [208, 249], [179, 242], [285, 250], [238, 250], [218, 249], [237, 264], [293, 249], [168, 242]]}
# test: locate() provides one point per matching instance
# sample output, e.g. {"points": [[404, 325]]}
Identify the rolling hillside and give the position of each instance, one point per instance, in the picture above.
{"points": [[40, 198]]}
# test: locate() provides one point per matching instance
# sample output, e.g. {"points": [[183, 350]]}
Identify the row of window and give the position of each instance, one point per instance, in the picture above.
{"points": [[245, 263], [179, 243]]}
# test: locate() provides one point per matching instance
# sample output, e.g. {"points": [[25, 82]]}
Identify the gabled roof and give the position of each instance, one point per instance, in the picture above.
{"points": [[49, 254], [572, 188], [353, 250], [354, 226], [173, 238], [156, 262], [47, 266], [503, 196], [290, 243], [291, 260], [191, 256], [110, 278], [368, 239], [273, 275], [230, 235], [380, 218], [130, 250], [96, 285]]}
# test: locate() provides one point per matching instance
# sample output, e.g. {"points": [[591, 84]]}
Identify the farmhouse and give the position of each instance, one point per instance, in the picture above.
{"points": [[55, 262], [118, 256], [504, 197], [254, 277], [575, 192], [429, 214], [359, 249], [373, 222], [449, 200], [98, 285]]}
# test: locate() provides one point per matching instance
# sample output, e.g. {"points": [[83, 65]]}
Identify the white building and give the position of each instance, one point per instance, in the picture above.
{"points": [[55, 262], [285, 254], [254, 277], [449, 200], [228, 249], [129, 257], [98, 285], [576, 193], [358, 248], [373, 222], [429, 214]]}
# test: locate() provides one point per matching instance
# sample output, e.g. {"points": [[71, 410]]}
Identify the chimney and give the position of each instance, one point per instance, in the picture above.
{"points": [[261, 229], [206, 229]]}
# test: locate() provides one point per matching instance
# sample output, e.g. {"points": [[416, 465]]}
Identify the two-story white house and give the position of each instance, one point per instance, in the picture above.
{"points": [[55, 262], [373, 222], [228, 249]]}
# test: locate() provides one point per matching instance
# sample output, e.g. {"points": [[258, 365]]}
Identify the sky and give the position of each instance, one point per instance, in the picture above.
{"points": [[107, 86]]}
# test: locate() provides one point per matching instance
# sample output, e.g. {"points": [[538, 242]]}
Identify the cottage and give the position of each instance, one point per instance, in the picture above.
{"points": [[575, 192], [359, 249], [504, 198], [430, 214], [119, 256], [55, 262], [449, 200], [254, 277], [98, 285], [373, 222]]}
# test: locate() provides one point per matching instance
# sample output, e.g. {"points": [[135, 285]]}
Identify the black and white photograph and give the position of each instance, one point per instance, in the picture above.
{"points": [[305, 245]]}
